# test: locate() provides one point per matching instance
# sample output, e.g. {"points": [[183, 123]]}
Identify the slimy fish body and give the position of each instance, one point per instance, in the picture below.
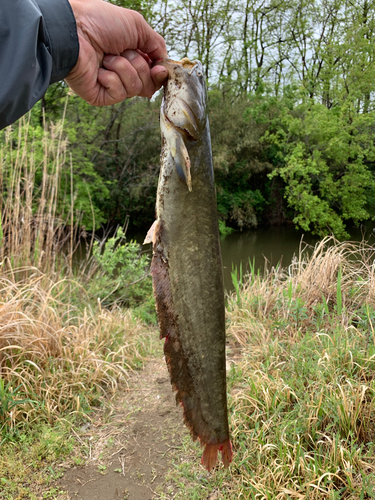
{"points": [[186, 265]]}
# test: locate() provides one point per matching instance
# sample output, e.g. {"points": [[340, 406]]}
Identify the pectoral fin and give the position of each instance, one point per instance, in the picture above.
{"points": [[178, 151], [150, 236], [181, 159]]}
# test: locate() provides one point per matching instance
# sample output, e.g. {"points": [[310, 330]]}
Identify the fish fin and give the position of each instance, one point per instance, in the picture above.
{"points": [[151, 233], [209, 457], [182, 161], [181, 116], [161, 286], [178, 151], [180, 170], [226, 453]]}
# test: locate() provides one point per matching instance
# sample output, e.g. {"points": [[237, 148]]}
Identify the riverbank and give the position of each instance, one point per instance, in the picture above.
{"points": [[301, 372], [301, 382], [303, 396]]}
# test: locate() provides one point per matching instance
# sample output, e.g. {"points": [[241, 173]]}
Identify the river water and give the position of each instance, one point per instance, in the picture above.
{"points": [[272, 245]]}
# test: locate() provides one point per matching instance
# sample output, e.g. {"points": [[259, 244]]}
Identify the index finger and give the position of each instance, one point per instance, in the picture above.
{"points": [[149, 42]]}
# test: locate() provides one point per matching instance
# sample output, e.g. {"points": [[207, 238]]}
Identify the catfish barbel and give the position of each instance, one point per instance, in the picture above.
{"points": [[186, 265]]}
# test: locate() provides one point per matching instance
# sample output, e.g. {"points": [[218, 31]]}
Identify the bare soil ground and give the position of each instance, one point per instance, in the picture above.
{"points": [[131, 451]]}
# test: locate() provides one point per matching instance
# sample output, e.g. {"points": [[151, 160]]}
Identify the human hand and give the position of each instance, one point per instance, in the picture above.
{"points": [[116, 49]]}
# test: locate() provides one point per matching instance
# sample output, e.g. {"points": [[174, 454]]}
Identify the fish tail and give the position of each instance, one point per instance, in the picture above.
{"points": [[209, 457], [227, 453]]}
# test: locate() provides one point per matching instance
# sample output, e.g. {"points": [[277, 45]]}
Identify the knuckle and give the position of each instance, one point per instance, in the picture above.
{"points": [[120, 65], [118, 93], [112, 79], [139, 17], [143, 68], [137, 87]]}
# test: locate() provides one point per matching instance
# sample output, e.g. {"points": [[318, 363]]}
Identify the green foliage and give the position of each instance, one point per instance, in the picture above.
{"points": [[240, 164], [291, 94], [324, 155], [241, 207], [115, 153], [122, 275], [223, 229], [9, 401]]}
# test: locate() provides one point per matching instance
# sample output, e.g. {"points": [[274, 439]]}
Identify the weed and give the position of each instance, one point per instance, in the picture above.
{"points": [[122, 275], [61, 353], [8, 404], [237, 276], [302, 409]]}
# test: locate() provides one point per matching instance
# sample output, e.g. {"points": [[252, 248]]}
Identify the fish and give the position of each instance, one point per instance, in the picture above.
{"points": [[186, 265]]}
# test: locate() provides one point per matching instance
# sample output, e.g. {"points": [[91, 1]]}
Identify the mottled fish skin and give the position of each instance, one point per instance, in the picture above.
{"points": [[186, 265]]}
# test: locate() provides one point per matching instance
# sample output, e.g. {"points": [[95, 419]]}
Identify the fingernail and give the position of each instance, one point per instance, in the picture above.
{"points": [[108, 59], [129, 54]]}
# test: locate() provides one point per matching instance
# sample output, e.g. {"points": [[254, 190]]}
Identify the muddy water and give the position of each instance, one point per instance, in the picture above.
{"points": [[273, 244]]}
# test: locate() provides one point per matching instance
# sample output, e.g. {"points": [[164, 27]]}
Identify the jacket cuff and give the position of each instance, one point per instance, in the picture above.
{"points": [[61, 38]]}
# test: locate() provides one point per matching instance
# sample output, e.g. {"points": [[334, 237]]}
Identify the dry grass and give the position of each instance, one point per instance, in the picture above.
{"points": [[63, 358], [60, 352], [303, 400], [34, 228], [330, 277]]}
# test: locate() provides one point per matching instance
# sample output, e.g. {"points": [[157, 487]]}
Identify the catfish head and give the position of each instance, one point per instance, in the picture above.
{"points": [[183, 114]]}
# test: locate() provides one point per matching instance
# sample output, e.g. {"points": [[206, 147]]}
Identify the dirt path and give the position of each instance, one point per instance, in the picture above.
{"points": [[130, 452]]}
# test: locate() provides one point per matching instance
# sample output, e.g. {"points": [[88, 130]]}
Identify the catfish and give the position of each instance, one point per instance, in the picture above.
{"points": [[186, 265]]}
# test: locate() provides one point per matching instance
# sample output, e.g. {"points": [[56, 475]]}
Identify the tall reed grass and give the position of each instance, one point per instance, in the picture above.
{"points": [[303, 395], [60, 352], [32, 231]]}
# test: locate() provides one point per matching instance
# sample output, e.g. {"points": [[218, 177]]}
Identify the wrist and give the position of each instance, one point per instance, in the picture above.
{"points": [[78, 7], [60, 30]]}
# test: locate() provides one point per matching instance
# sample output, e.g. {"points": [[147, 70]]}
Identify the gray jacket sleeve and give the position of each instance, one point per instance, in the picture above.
{"points": [[38, 46]]}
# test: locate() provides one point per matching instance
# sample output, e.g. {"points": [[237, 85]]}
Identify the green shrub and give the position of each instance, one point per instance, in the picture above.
{"points": [[122, 275]]}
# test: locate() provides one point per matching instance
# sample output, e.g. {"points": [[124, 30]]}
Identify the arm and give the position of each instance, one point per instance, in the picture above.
{"points": [[103, 51], [39, 46]]}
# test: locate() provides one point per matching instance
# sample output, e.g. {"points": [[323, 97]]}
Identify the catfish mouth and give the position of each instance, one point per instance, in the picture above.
{"points": [[165, 61]]}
